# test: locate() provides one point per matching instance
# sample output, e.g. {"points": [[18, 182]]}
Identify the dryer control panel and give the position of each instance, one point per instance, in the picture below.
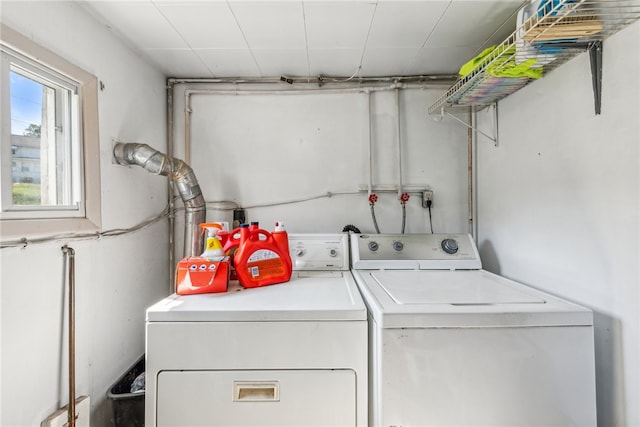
{"points": [[414, 252], [319, 251]]}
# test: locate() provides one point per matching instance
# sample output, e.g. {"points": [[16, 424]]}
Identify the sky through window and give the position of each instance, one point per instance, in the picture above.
{"points": [[26, 103]]}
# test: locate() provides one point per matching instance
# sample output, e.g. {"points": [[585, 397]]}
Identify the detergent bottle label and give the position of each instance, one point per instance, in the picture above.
{"points": [[264, 264]]}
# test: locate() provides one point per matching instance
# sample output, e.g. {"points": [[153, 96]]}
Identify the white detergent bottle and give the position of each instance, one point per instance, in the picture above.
{"points": [[213, 248]]}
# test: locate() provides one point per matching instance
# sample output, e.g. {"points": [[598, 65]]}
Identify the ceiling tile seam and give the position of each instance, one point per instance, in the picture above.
{"points": [[366, 41], [306, 40], [246, 41], [435, 27], [183, 39]]}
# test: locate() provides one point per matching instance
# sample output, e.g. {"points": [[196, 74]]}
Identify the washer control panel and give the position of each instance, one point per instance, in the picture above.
{"points": [[319, 251], [414, 251]]}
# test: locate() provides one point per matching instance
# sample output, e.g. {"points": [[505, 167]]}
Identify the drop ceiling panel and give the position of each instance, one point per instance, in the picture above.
{"points": [[389, 61], [282, 62], [229, 62], [333, 24], [204, 24], [306, 37], [417, 21], [271, 25], [443, 60], [141, 23], [178, 62], [471, 23], [334, 62]]}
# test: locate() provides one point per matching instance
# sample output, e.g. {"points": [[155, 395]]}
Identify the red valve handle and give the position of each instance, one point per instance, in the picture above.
{"points": [[404, 197], [373, 198]]}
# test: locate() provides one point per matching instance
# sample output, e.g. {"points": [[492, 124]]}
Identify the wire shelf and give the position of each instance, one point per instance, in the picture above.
{"points": [[548, 34]]}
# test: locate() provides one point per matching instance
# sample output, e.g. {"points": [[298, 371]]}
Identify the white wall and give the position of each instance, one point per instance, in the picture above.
{"points": [[116, 278], [558, 206], [267, 149]]}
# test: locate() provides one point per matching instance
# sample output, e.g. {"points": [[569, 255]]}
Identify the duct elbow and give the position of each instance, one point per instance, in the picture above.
{"points": [[142, 155], [184, 179]]}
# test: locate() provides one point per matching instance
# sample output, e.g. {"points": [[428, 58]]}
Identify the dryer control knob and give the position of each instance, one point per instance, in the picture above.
{"points": [[333, 253], [373, 246], [398, 246], [299, 252], [450, 246]]}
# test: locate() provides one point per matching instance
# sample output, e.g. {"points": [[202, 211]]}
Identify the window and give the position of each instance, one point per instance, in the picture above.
{"points": [[44, 118], [49, 157]]}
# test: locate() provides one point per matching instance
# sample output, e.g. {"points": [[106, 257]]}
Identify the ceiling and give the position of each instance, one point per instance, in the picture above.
{"points": [[307, 38]]}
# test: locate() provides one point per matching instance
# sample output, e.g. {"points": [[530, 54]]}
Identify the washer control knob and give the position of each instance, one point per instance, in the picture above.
{"points": [[450, 246], [299, 252], [398, 246], [373, 246], [333, 253]]}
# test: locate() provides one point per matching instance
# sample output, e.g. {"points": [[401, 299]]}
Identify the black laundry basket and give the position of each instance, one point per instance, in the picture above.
{"points": [[128, 408]]}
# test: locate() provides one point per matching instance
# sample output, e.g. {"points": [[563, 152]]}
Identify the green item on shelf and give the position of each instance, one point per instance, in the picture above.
{"points": [[506, 67], [501, 63], [468, 67]]}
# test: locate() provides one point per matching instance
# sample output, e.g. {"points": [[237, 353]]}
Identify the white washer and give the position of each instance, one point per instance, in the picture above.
{"points": [[454, 345], [290, 354]]}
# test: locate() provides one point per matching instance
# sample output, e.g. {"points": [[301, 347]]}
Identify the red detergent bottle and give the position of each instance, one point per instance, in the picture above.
{"points": [[230, 242], [261, 258], [253, 227], [281, 237]]}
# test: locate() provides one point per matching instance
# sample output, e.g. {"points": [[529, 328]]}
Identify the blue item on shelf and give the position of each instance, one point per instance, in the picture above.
{"points": [[548, 7]]}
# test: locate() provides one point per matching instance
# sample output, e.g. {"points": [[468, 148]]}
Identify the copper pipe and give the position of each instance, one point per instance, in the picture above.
{"points": [[69, 254]]}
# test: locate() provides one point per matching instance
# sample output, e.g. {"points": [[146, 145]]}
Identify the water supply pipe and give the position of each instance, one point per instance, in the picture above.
{"points": [[184, 179], [69, 259]]}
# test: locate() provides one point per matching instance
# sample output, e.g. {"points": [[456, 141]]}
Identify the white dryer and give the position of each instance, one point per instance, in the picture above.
{"points": [[454, 345], [290, 354]]}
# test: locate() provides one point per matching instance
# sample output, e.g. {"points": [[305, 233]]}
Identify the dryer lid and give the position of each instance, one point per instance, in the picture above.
{"points": [[308, 296]]}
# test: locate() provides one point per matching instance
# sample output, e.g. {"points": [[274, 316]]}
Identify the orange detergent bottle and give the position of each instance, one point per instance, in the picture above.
{"points": [[281, 237], [230, 242], [261, 258]]}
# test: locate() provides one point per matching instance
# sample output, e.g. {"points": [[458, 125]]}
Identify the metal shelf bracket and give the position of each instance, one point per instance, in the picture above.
{"points": [[494, 107], [595, 55]]}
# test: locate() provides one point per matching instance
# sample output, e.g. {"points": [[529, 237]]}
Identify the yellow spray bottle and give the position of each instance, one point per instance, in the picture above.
{"points": [[213, 248]]}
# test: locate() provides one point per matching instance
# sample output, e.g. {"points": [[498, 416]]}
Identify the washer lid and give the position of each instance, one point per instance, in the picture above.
{"points": [[308, 296], [442, 287], [461, 298]]}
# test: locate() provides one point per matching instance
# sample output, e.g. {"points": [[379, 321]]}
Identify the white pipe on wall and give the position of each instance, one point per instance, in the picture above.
{"points": [[370, 186], [348, 89], [399, 142]]}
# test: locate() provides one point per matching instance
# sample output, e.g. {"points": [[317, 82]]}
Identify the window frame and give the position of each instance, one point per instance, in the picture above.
{"points": [[54, 219], [66, 122]]}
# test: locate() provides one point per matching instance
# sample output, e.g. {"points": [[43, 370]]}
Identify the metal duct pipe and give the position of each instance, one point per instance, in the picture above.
{"points": [[185, 181]]}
